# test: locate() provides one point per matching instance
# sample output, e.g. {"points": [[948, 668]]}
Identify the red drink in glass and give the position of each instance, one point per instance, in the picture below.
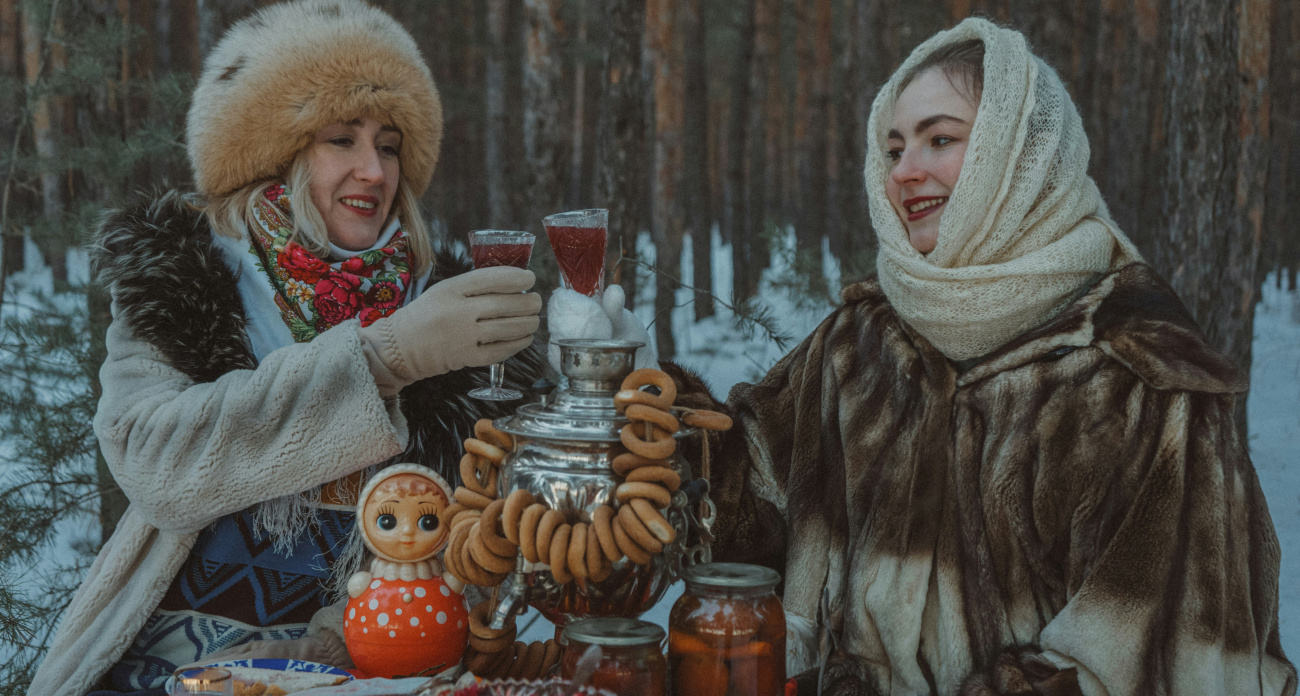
{"points": [[488, 255], [499, 248], [578, 239]]}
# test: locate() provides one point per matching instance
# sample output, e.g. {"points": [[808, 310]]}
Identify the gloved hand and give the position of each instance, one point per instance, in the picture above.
{"points": [[571, 314], [476, 318]]}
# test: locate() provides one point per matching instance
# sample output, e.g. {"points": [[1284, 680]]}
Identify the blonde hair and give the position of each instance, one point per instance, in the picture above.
{"points": [[234, 210]]}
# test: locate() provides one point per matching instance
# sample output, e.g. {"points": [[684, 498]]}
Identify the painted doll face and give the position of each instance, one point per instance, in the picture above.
{"points": [[400, 518]]}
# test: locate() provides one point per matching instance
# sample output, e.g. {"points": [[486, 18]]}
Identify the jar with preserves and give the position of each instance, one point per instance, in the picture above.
{"points": [[726, 634], [632, 659]]}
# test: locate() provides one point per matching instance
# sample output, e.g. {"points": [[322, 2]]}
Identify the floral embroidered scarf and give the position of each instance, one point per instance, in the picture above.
{"points": [[314, 295]]}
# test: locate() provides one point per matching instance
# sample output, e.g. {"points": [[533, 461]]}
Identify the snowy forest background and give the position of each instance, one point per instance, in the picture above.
{"points": [[725, 137]]}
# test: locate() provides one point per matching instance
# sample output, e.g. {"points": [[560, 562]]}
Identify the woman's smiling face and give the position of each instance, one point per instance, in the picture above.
{"points": [[354, 176], [927, 145]]}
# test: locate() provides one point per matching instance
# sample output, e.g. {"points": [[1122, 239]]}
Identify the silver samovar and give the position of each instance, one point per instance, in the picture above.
{"points": [[564, 446]]}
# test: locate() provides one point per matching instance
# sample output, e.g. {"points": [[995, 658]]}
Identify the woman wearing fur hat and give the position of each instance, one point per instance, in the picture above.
{"points": [[272, 338], [1009, 459]]}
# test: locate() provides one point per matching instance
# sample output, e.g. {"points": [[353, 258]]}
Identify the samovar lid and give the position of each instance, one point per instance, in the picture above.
{"points": [[614, 632], [583, 412]]}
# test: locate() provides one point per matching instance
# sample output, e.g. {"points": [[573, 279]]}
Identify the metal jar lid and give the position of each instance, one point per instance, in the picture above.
{"points": [[614, 632], [730, 576]]}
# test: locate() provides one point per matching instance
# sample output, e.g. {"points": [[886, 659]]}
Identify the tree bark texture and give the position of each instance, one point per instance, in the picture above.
{"points": [[543, 135], [497, 164], [11, 248], [1216, 123], [45, 138], [749, 245], [666, 228], [1282, 216], [576, 182], [696, 184], [622, 136], [734, 180]]}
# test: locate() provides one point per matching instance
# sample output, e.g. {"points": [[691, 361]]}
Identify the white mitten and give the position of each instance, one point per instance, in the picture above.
{"points": [[571, 314], [627, 327]]}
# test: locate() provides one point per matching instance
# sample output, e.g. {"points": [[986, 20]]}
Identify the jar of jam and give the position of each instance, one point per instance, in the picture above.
{"points": [[726, 634], [632, 661]]}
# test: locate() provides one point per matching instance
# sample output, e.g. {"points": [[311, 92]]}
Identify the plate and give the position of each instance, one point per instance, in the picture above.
{"points": [[275, 664]]}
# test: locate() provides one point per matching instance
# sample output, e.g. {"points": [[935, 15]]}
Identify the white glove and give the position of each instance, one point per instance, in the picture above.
{"points": [[571, 314]]}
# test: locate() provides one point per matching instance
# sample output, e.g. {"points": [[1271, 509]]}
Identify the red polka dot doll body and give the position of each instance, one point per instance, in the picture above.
{"points": [[406, 616]]}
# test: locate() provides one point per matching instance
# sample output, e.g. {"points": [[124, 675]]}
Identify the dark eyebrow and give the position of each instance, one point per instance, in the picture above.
{"points": [[925, 124]]}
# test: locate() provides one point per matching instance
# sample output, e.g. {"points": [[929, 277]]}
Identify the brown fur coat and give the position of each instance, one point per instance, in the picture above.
{"points": [[1075, 512]]}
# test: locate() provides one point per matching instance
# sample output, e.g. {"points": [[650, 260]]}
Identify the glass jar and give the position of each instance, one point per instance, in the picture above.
{"points": [[726, 634], [632, 661]]}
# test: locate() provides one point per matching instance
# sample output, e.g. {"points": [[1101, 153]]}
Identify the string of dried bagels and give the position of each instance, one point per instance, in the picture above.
{"points": [[487, 532]]}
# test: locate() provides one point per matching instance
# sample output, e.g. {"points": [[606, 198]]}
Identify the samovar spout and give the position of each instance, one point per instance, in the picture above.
{"points": [[514, 598]]}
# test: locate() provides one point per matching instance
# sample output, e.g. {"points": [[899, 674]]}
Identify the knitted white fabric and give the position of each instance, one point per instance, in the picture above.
{"points": [[1025, 229]]}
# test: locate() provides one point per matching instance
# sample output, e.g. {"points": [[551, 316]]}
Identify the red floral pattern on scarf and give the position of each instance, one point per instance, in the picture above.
{"points": [[315, 295]]}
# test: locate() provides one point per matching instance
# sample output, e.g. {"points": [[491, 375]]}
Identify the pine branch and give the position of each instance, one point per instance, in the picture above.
{"points": [[750, 316]]}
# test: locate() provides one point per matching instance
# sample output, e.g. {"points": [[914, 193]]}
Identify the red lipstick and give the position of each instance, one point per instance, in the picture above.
{"points": [[913, 217]]}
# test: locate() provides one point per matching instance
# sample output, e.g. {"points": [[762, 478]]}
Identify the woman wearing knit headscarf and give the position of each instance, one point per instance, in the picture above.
{"points": [[274, 336], [1009, 460]]}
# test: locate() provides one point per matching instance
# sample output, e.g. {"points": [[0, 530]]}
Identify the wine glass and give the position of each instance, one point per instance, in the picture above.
{"points": [[491, 248], [202, 681], [578, 239]]}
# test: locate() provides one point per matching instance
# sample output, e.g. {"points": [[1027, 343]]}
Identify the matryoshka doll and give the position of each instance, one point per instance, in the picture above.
{"points": [[406, 617]]}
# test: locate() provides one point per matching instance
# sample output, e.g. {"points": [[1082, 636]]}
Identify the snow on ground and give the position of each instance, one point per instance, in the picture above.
{"points": [[1273, 409]]}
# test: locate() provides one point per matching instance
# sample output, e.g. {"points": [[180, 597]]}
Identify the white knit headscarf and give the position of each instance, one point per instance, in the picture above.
{"points": [[1025, 230]]}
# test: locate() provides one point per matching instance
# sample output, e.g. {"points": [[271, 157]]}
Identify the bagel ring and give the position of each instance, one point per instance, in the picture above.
{"points": [[478, 622], [496, 543], [650, 376], [451, 557], [475, 574], [484, 556], [516, 503], [528, 531], [595, 559], [661, 419], [500, 664], [708, 420], [485, 431], [628, 462], [661, 475], [546, 532], [560, 553], [470, 499], [653, 520], [449, 513], [477, 662], [532, 662], [480, 480], [517, 661], [577, 556], [487, 450], [628, 397], [640, 489], [661, 446], [637, 530], [634, 553], [600, 523], [490, 645], [551, 656]]}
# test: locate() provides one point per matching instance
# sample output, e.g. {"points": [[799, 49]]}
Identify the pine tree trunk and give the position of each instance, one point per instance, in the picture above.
{"points": [[185, 49], [497, 164], [1127, 128], [813, 181], [1216, 125], [696, 184], [11, 248], [576, 183], [733, 187], [43, 133], [850, 232], [621, 144], [1282, 218], [542, 123], [749, 244], [666, 229]]}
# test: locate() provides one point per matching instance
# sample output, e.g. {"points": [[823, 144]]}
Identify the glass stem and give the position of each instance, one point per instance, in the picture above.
{"points": [[498, 374]]}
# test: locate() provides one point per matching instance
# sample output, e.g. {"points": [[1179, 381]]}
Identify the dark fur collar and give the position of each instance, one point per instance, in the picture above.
{"points": [[171, 286]]}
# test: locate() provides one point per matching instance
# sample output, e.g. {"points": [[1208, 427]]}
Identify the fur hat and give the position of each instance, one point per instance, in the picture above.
{"points": [[279, 75]]}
